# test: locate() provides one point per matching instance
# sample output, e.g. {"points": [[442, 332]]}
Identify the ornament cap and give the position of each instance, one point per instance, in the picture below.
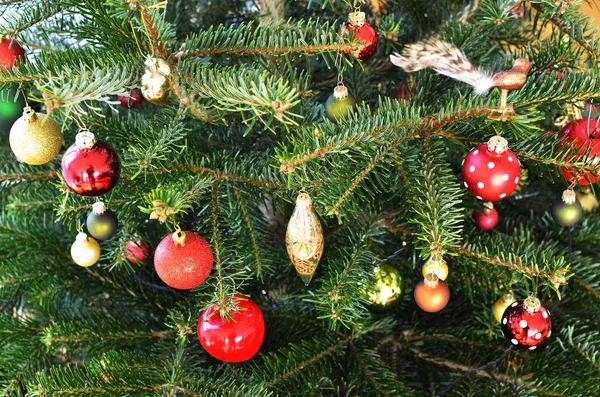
{"points": [[29, 114], [532, 304], [488, 205], [85, 139], [81, 237], [303, 199], [99, 208], [179, 237], [497, 144], [357, 18], [508, 297], [569, 197], [431, 280], [340, 92]]}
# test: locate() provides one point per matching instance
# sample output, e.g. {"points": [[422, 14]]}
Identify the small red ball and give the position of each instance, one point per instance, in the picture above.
{"points": [[432, 294], [526, 329], [234, 340], [183, 266], [365, 33], [486, 220], [490, 176], [584, 134], [138, 251], [131, 101], [10, 54], [91, 172]]}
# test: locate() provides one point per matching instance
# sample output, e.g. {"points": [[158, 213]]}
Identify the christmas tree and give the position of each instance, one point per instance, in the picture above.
{"points": [[301, 198]]}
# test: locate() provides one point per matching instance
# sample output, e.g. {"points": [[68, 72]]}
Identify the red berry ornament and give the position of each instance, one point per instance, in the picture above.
{"points": [[10, 53], [486, 220], [584, 134], [236, 339], [526, 323], [183, 260], [491, 171], [131, 101], [137, 251], [90, 167], [358, 29]]}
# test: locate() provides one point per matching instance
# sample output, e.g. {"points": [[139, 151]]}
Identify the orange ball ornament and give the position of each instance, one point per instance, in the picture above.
{"points": [[432, 294]]}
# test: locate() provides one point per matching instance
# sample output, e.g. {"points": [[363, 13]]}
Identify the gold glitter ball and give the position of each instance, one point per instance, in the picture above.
{"points": [[35, 138]]}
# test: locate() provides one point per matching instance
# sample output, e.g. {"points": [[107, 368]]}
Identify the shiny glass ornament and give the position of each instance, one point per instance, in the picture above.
{"points": [[11, 53], [134, 100], [304, 238], [101, 222], [85, 251], [386, 288], [183, 260], [358, 29], [432, 294], [587, 199], [526, 323], [487, 219], [157, 81], [137, 250], [233, 339], [339, 104], [11, 108], [439, 267], [90, 167], [584, 135], [567, 210], [35, 138], [501, 304], [491, 171]]}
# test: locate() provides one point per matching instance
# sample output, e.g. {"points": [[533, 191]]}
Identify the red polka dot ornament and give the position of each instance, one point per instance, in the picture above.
{"points": [[526, 323], [491, 171]]}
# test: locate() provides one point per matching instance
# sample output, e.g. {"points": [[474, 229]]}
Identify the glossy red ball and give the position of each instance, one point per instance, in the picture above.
{"points": [[490, 176], [131, 101], [183, 267], [584, 134], [10, 53], [91, 172], [365, 33], [486, 219], [137, 251], [234, 340], [524, 329]]}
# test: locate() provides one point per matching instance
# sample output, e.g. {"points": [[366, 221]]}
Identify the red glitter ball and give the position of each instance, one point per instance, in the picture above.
{"points": [[486, 220], [183, 267], [10, 53], [524, 329], [137, 251], [91, 172], [232, 340], [584, 134], [365, 33], [490, 176]]}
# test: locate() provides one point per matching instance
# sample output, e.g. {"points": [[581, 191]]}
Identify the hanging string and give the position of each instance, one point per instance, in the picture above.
{"points": [[23, 93]]}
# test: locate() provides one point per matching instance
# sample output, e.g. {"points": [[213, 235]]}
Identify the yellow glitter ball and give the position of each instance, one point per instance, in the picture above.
{"points": [[35, 138]]}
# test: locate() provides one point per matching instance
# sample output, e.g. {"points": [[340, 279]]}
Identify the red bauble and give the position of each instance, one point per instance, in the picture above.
{"points": [[183, 260], [526, 323], [432, 294], [584, 134], [491, 171], [90, 168], [10, 53], [132, 101], [234, 340], [137, 251], [361, 31], [486, 220]]}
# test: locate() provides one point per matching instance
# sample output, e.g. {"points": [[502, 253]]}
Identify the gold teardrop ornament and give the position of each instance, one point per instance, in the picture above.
{"points": [[157, 81], [304, 238]]}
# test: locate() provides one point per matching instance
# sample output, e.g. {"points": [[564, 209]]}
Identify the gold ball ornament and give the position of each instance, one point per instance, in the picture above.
{"points": [[587, 199], [438, 267], [157, 80], [85, 251], [35, 138], [501, 304], [386, 288]]}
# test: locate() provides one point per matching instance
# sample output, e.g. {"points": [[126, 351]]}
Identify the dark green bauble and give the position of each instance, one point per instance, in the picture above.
{"points": [[386, 289], [10, 109], [338, 105], [102, 226], [566, 214]]}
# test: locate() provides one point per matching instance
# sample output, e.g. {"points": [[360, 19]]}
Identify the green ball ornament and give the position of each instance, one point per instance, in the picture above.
{"points": [[338, 105], [386, 289], [567, 210], [10, 109], [101, 222]]}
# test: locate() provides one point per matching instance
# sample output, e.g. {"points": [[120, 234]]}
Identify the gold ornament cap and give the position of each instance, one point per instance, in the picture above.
{"points": [[99, 208], [497, 144], [179, 237], [508, 297], [29, 114], [431, 280], [85, 139], [340, 92], [569, 197], [532, 304], [357, 18], [81, 237]]}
